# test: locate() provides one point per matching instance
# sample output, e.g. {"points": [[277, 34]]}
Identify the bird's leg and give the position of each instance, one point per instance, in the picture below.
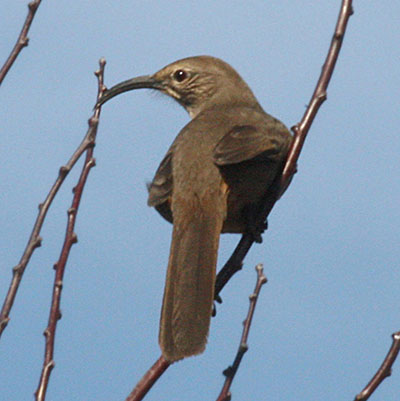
{"points": [[254, 226]]}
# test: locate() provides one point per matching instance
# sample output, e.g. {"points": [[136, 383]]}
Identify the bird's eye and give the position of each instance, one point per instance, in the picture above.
{"points": [[180, 75]]}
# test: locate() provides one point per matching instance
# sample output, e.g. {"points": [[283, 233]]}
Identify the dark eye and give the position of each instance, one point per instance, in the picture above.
{"points": [[180, 75]]}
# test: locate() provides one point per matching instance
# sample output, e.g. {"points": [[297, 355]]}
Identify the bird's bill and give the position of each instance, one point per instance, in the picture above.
{"points": [[144, 81]]}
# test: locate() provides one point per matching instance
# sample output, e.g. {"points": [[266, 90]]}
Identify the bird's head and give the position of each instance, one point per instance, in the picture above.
{"points": [[197, 83]]}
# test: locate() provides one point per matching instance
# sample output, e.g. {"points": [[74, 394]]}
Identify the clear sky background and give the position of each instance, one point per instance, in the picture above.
{"points": [[323, 321]]}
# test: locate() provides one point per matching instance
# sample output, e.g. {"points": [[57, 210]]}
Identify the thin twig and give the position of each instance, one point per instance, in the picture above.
{"points": [[148, 380], [384, 371], [230, 372], [34, 239], [300, 131], [70, 239], [22, 40]]}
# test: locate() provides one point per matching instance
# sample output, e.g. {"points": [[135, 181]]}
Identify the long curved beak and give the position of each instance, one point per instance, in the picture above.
{"points": [[144, 81]]}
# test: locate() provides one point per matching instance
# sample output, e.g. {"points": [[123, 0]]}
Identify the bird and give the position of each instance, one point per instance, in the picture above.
{"points": [[212, 180]]}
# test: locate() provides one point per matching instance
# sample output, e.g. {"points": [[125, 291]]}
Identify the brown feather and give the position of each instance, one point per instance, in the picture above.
{"points": [[189, 290]]}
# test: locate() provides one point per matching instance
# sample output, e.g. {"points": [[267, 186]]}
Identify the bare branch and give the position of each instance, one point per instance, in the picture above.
{"points": [[230, 372], [300, 130], [70, 239], [384, 371], [148, 380], [35, 239], [22, 40]]}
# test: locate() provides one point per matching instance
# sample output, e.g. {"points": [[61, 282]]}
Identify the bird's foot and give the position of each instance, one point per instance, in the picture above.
{"points": [[256, 230]]}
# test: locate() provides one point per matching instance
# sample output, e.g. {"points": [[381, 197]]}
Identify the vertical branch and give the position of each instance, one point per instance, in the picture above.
{"points": [[70, 239], [320, 93], [230, 372], [35, 239], [22, 40], [300, 130]]}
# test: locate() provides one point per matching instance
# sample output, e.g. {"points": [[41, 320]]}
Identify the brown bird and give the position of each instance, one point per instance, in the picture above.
{"points": [[211, 180]]}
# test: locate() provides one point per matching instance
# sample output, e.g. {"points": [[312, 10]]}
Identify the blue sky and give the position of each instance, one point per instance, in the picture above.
{"points": [[323, 321]]}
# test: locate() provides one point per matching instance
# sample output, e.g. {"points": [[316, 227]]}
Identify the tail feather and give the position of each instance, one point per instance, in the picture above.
{"points": [[189, 289]]}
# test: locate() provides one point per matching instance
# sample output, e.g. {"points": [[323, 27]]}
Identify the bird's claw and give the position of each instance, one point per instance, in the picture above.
{"points": [[257, 230]]}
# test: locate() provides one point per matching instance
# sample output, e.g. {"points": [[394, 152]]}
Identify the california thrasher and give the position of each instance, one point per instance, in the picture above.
{"points": [[211, 180]]}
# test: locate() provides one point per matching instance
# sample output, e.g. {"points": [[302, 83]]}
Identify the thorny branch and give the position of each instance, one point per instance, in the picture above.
{"points": [[22, 40], [70, 239], [230, 372]]}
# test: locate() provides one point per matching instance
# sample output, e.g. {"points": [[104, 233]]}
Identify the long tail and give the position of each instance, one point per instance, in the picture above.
{"points": [[189, 288]]}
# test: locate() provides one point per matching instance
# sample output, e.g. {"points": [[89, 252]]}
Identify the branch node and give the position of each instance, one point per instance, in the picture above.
{"points": [[63, 171], [102, 63], [322, 96], [74, 238], [33, 5], [295, 129], [16, 269], [338, 36], [24, 42], [91, 162], [38, 242], [93, 121], [4, 322], [228, 372], [244, 347], [71, 210]]}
